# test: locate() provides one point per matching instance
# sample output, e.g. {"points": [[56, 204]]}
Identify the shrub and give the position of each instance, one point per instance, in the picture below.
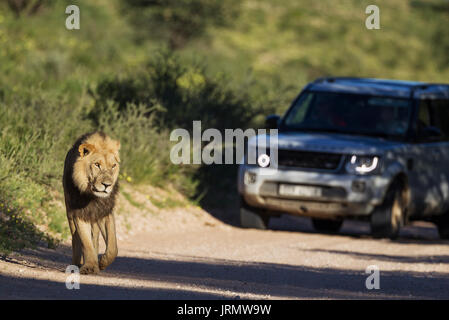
{"points": [[176, 93], [30, 7], [145, 150], [179, 21]]}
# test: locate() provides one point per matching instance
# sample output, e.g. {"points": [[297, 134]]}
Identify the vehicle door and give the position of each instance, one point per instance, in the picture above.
{"points": [[439, 117], [424, 156]]}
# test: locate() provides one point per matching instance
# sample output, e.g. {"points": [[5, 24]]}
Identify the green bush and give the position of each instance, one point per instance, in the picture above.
{"points": [[145, 149], [179, 21], [37, 130], [30, 7], [176, 93]]}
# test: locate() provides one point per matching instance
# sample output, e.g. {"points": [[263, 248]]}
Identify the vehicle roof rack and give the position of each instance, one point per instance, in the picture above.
{"points": [[413, 86]]}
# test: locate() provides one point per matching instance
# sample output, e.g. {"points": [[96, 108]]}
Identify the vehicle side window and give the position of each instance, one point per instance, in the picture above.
{"points": [[423, 115], [440, 112], [423, 121]]}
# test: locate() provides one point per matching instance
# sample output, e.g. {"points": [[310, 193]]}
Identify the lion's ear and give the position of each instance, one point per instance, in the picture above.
{"points": [[117, 144], [85, 149]]}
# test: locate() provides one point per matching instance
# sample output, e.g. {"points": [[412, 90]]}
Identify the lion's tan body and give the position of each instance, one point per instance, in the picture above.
{"points": [[90, 189]]}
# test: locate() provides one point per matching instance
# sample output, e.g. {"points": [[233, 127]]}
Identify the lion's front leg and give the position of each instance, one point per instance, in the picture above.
{"points": [[95, 236], [83, 229], [107, 227]]}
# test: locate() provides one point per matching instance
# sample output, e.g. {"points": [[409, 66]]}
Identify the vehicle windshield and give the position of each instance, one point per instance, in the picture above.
{"points": [[349, 113]]}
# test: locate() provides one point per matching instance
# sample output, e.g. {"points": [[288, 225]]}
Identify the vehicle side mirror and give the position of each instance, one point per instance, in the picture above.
{"points": [[272, 121], [430, 133]]}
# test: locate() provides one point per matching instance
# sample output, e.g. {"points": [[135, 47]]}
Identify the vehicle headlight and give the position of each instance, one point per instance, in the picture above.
{"points": [[249, 178], [362, 164]]}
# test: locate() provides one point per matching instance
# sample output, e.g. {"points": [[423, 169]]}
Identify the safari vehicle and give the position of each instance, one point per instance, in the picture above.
{"points": [[353, 148]]}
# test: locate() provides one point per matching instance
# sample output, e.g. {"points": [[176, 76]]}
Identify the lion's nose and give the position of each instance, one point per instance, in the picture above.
{"points": [[106, 185]]}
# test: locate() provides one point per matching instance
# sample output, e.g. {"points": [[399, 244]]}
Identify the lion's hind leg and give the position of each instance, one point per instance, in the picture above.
{"points": [[77, 254]]}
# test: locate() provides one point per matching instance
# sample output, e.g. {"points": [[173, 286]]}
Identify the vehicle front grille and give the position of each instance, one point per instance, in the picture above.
{"points": [[309, 160]]}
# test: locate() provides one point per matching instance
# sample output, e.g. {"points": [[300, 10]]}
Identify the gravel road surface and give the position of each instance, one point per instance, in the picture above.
{"points": [[212, 260]]}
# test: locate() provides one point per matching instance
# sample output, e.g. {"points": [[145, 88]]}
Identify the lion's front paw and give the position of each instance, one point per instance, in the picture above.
{"points": [[89, 269]]}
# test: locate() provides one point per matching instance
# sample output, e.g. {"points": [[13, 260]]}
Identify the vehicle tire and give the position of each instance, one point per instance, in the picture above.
{"points": [[443, 226], [327, 225], [251, 217], [387, 218]]}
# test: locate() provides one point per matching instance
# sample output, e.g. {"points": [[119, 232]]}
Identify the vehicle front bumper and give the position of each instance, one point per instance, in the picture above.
{"points": [[342, 195]]}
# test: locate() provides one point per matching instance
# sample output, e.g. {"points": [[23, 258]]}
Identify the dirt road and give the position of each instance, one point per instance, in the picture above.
{"points": [[206, 259]]}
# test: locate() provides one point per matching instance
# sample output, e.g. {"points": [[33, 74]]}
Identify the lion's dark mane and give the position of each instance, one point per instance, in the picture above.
{"points": [[84, 205]]}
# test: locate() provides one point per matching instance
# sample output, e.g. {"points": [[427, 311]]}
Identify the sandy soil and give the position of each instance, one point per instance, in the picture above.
{"points": [[187, 254]]}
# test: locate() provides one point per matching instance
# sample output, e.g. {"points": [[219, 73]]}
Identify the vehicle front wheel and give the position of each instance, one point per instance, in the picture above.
{"points": [[387, 218], [327, 225], [251, 217], [443, 226]]}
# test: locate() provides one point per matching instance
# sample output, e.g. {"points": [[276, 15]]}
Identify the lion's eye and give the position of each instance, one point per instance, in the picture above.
{"points": [[114, 165], [97, 165]]}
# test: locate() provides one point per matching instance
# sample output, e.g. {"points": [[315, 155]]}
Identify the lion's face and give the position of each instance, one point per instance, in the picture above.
{"points": [[97, 168], [102, 173]]}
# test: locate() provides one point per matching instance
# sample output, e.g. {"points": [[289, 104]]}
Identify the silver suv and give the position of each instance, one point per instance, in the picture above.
{"points": [[356, 148]]}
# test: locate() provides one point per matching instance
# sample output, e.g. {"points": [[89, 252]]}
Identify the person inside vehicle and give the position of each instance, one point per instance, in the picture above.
{"points": [[389, 123], [324, 114]]}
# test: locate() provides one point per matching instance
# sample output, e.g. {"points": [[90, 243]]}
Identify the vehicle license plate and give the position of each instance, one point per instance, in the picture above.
{"points": [[299, 191]]}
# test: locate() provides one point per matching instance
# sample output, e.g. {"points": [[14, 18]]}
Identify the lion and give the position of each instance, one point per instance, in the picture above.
{"points": [[91, 169]]}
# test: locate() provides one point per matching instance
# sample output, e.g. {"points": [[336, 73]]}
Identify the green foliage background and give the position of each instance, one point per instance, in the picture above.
{"points": [[138, 72]]}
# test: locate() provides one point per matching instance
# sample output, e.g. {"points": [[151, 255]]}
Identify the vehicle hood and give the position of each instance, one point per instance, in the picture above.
{"points": [[332, 143]]}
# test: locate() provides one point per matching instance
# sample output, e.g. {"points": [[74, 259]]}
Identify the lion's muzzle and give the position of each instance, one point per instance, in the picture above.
{"points": [[103, 186]]}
